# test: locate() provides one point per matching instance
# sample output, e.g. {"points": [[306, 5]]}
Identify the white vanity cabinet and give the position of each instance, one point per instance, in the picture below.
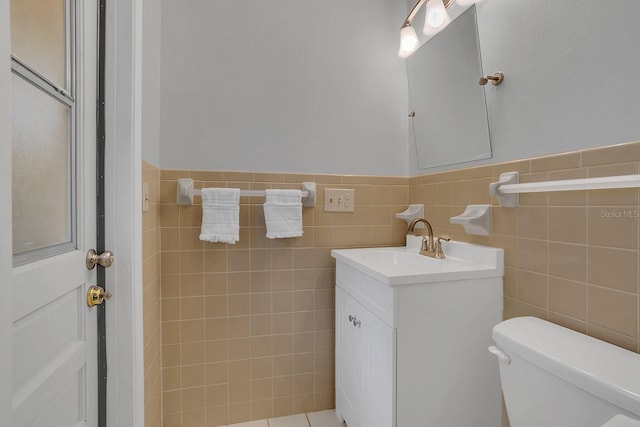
{"points": [[411, 350], [366, 361]]}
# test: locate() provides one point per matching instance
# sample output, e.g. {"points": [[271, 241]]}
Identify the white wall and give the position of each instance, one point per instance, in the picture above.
{"points": [[291, 86], [151, 27], [572, 75], [6, 254], [283, 86]]}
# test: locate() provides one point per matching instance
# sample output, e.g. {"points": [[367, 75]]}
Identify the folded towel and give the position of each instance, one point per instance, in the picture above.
{"points": [[283, 213], [220, 215]]}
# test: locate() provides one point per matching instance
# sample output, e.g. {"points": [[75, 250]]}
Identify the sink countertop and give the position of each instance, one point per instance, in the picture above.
{"points": [[404, 266]]}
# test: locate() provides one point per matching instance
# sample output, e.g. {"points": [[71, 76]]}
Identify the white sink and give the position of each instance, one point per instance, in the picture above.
{"points": [[402, 266]]}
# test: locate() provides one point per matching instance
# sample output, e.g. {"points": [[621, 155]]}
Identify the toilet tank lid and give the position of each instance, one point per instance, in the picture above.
{"points": [[609, 372], [621, 421]]}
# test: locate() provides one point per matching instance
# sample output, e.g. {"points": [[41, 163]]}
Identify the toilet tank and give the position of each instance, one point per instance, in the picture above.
{"points": [[559, 377]]}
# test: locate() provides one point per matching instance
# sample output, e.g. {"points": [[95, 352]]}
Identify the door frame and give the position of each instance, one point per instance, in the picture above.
{"points": [[124, 214], [6, 257], [123, 195]]}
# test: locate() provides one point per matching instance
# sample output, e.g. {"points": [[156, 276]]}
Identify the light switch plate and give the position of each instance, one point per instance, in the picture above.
{"points": [[339, 199], [145, 197]]}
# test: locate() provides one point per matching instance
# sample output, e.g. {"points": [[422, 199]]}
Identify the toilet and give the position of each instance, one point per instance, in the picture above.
{"points": [[621, 421], [555, 377]]}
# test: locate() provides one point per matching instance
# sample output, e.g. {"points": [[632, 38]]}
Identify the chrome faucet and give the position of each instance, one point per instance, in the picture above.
{"points": [[428, 247]]}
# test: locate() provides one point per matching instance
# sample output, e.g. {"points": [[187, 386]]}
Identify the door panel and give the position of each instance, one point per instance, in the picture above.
{"points": [[56, 325], [60, 410], [42, 195], [54, 332], [32, 401], [38, 36], [32, 291]]}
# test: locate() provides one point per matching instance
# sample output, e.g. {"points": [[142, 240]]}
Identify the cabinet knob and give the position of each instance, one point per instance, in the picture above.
{"points": [[354, 320]]}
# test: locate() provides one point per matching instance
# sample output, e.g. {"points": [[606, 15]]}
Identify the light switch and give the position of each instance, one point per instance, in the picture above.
{"points": [[145, 197], [339, 200]]}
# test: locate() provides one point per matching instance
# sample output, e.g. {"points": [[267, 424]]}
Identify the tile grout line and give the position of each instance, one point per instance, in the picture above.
{"points": [[587, 278], [548, 215], [637, 270]]}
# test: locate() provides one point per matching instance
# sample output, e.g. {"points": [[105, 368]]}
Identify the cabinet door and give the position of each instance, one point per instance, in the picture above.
{"points": [[347, 356], [365, 365], [378, 369]]}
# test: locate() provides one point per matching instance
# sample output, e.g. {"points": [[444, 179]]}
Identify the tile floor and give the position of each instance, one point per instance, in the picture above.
{"points": [[312, 419]]}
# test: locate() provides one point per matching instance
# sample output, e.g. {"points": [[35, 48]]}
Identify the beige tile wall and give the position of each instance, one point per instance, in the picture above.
{"points": [[151, 299], [571, 257], [248, 329]]}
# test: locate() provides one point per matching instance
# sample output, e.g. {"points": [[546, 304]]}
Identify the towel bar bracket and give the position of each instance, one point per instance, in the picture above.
{"points": [[508, 200], [185, 192], [310, 200]]}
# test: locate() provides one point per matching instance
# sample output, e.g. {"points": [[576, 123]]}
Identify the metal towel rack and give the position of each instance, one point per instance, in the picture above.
{"points": [[186, 192], [507, 188]]}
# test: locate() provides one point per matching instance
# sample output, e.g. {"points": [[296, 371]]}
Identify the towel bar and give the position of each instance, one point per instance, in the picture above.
{"points": [[186, 193], [508, 188]]}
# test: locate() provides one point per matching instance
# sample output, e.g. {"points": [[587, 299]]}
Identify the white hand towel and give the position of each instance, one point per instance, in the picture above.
{"points": [[283, 213], [220, 215]]}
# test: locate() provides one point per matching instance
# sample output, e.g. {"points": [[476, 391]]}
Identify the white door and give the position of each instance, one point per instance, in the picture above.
{"points": [[53, 80]]}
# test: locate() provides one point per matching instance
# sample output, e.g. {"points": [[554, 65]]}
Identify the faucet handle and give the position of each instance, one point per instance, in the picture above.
{"points": [[425, 244], [439, 253]]}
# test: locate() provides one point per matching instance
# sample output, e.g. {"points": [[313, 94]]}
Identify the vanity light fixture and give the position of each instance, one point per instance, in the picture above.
{"points": [[408, 41], [436, 19]]}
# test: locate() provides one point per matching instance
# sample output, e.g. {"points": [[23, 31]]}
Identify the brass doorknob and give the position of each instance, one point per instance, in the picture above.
{"points": [[97, 295], [105, 259]]}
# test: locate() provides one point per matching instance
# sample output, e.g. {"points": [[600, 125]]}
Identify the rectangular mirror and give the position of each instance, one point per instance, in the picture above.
{"points": [[450, 122]]}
